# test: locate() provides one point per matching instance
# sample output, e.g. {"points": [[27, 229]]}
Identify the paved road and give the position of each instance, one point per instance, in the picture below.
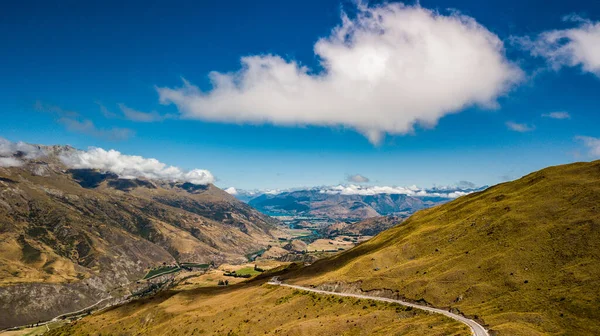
{"points": [[476, 328], [55, 319]]}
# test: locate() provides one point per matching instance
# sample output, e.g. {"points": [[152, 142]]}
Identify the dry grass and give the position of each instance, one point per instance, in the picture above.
{"points": [[254, 309], [34, 331], [211, 278], [328, 245], [523, 256], [193, 280]]}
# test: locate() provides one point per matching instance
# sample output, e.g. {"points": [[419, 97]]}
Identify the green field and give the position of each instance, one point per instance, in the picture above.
{"points": [[194, 265], [161, 270], [247, 270], [252, 256]]}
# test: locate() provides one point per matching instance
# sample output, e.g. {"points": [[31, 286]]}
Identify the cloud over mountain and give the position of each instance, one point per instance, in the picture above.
{"points": [[410, 191], [21, 149], [466, 185], [14, 154], [133, 166], [384, 71], [231, 191], [10, 162], [450, 192]]}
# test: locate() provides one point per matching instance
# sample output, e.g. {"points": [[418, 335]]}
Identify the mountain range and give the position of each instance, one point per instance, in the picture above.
{"points": [[68, 236], [366, 227], [356, 204], [71, 237]]}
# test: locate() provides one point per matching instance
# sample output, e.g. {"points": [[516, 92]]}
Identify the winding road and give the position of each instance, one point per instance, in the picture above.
{"points": [[476, 328], [55, 319]]}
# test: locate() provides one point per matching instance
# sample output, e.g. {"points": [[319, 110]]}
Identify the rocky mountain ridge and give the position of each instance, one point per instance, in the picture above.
{"points": [[68, 236]]}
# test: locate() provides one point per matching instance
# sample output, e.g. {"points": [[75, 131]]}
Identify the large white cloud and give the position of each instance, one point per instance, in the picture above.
{"points": [[387, 69], [132, 166], [579, 46]]}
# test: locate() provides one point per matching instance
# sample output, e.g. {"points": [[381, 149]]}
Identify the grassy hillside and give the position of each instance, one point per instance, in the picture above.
{"points": [[254, 309], [523, 256]]}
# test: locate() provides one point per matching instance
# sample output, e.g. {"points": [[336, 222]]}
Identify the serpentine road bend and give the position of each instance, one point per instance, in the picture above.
{"points": [[476, 328]]}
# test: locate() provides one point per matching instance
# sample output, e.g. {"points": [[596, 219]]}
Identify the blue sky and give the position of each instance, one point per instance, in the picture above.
{"points": [[67, 67]]}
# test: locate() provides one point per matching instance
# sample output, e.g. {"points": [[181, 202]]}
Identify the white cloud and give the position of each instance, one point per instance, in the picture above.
{"points": [[105, 111], [74, 122], [139, 116], [254, 192], [375, 190], [579, 46], [388, 69], [557, 115], [12, 154], [466, 185], [357, 178], [231, 191], [592, 144], [454, 191], [273, 191], [131, 166], [89, 128], [8, 148], [53, 109], [513, 126], [10, 162]]}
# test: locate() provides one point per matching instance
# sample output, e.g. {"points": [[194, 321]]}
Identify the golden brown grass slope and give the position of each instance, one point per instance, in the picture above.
{"points": [[522, 256], [254, 309]]}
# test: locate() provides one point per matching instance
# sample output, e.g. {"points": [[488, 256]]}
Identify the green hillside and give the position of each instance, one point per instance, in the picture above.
{"points": [[523, 257]]}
